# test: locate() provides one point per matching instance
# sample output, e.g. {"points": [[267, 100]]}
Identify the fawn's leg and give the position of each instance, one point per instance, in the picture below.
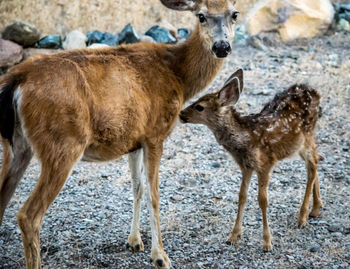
{"points": [[242, 198], [137, 174], [15, 161], [152, 156], [54, 173], [310, 157], [317, 202], [263, 181]]}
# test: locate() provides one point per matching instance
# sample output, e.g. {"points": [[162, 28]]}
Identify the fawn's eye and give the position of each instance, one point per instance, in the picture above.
{"points": [[202, 18], [199, 108], [235, 15]]}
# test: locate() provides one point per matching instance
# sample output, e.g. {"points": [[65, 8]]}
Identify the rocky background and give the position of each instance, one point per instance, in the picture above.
{"points": [[63, 16], [88, 224]]}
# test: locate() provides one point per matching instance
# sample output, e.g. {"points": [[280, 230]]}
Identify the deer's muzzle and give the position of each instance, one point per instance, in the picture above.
{"points": [[221, 49]]}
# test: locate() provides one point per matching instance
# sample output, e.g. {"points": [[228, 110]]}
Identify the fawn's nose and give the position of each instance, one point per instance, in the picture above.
{"points": [[183, 119], [221, 49]]}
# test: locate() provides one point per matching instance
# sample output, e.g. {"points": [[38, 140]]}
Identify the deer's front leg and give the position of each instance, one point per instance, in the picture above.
{"points": [[243, 193], [137, 176], [152, 155]]}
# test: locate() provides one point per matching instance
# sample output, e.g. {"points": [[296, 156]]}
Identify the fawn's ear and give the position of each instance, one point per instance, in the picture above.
{"points": [[230, 92], [180, 5]]}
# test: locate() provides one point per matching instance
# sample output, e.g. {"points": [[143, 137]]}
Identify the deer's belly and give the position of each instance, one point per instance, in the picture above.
{"points": [[107, 152]]}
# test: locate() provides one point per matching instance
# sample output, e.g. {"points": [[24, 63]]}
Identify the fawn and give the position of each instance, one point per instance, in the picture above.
{"points": [[286, 125]]}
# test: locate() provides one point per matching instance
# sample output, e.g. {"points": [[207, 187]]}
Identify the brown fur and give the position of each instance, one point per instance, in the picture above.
{"points": [[98, 105], [285, 126]]}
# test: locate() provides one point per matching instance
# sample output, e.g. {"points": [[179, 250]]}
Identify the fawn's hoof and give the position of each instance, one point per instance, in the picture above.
{"points": [[233, 238], [314, 212], [267, 247], [302, 222], [160, 259]]}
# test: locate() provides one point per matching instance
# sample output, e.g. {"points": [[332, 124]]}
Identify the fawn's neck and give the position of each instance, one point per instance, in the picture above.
{"points": [[228, 130], [195, 64]]}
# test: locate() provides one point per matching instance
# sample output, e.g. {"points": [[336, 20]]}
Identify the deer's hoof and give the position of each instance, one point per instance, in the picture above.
{"points": [[135, 243], [160, 259]]}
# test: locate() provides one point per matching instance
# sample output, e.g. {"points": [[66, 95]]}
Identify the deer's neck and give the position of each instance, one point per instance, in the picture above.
{"points": [[196, 64]]}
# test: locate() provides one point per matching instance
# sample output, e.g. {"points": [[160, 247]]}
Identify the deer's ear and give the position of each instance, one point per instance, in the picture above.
{"points": [[180, 5], [230, 92]]}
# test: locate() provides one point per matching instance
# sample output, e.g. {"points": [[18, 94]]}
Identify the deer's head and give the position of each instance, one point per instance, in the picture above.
{"points": [[216, 22], [208, 108]]}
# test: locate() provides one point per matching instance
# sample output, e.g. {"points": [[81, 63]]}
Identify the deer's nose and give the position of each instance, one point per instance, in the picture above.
{"points": [[221, 49]]}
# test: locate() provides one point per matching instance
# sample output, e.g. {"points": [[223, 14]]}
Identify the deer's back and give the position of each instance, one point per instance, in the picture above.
{"points": [[111, 101]]}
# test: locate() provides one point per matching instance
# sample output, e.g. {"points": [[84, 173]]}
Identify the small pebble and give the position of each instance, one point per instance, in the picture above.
{"points": [[315, 248]]}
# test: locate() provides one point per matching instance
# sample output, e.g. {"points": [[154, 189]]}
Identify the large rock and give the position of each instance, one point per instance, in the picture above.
{"points": [[94, 37], [128, 35], [147, 39], [50, 42], [161, 34], [98, 46], [110, 39], [74, 40], [10, 53], [102, 38], [22, 33], [292, 19], [343, 25]]}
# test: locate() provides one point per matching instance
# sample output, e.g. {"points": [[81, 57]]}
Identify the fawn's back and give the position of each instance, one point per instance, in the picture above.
{"points": [[285, 122]]}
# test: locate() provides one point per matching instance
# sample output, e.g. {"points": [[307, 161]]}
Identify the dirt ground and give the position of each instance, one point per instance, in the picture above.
{"points": [[88, 224]]}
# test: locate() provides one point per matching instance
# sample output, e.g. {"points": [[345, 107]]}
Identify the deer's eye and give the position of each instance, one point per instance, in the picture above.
{"points": [[199, 108], [235, 15], [202, 18]]}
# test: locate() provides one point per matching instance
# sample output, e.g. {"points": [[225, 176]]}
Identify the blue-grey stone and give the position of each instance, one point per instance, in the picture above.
{"points": [[128, 35], [94, 37], [334, 227], [341, 8], [315, 248], [183, 33], [345, 16], [161, 35], [50, 42], [109, 39], [215, 165]]}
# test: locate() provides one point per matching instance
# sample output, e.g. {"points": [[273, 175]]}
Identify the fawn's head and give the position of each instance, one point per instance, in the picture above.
{"points": [[216, 21], [207, 108]]}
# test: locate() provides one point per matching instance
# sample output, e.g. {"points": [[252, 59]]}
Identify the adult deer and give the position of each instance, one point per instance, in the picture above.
{"points": [[97, 105]]}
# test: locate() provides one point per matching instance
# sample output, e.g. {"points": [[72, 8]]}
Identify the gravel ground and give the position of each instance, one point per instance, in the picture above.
{"points": [[88, 224]]}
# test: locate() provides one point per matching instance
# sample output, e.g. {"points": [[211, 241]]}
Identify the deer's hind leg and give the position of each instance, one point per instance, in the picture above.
{"points": [[16, 159], [56, 166], [137, 170], [310, 156]]}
